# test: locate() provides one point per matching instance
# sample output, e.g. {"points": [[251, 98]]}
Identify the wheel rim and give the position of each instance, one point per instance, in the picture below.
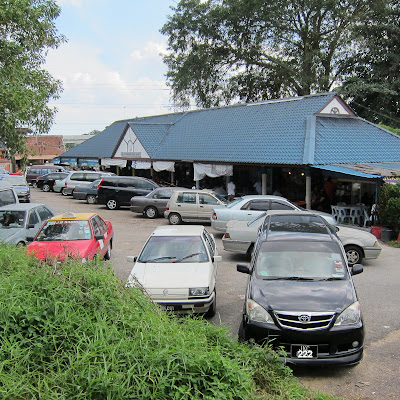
{"points": [[111, 204], [352, 256], [151, 212], [46, 188], [63, 192], [174, 219], [91, 199]]}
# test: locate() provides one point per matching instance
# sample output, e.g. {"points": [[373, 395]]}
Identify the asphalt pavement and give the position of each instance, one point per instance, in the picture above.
{"points": [[376, 377]]}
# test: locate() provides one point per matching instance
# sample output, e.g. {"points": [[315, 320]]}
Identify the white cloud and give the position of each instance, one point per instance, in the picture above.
{"points": [[150, 51]]}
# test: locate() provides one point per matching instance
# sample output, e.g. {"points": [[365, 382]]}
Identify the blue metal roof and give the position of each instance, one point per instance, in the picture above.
{"points": [[347, 170]]}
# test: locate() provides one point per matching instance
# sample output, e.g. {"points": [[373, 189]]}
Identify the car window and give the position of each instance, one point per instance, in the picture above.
{"points": [[65, 230], [78, 176], [259, 205], [207, 199], [7, 196], [277, 205], [109, 182], [209, 242], [144, 185], [12, 218], [44, 213], [33, 218], [101, 223], [163, 194], [91, 177], [186, 198], [175, 249], [127, 183]]}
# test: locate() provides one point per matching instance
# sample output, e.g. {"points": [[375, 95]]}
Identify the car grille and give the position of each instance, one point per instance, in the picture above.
{"points": [[304, 320]]}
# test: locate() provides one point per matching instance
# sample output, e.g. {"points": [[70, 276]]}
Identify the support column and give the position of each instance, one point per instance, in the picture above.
{"points": [[172, 177], [308, 188], [264, 183]]}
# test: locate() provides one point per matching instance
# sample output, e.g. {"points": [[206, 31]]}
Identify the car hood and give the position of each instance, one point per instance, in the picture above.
{"points": [[8, 234], [346, 233], [59, 250], [176, 275], [315, 296]]}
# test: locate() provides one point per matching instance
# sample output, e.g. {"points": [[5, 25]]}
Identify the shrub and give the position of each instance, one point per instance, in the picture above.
{"points": [[389, 206]]}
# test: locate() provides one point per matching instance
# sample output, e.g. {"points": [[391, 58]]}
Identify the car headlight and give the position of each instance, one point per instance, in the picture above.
{"points": [[350, 316], [257, 313], [199, 291]]}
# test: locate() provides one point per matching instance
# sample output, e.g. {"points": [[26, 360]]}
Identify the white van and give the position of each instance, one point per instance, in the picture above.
{"points": [[81, 178]]}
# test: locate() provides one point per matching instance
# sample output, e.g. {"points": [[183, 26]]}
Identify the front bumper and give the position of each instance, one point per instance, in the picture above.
{"points": [[335, 346], [372, 252], [187, 306]]}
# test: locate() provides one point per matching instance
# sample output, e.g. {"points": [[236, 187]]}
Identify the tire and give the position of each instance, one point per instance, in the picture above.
{"points": [[107, 256], [21, 244], [112, 204], [63, 192], [354, 254], [174, 219], [91, 199], [250, 250], [151, 212], [46, 187], [213, 308]]}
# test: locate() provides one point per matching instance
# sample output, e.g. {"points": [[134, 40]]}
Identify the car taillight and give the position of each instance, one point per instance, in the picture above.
{"points": [[227, 235], [214, 217], [101, 181], [65, 184], [167, 209]]}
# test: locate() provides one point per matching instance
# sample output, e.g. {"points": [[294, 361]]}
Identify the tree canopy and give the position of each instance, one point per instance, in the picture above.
{"points": [[228, 50], [27, 32]]}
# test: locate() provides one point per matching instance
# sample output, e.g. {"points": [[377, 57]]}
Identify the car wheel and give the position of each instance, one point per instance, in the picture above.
{"points": [[63, 192], [112, 204], [174, 219], [107, 256], [20, 244], [250, 250], [151, 212], [91, 199], [354, 254], [46, 187], [213, 308]]}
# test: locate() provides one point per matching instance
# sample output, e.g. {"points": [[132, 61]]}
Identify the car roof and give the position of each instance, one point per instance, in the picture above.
{"points": [[195, 190], [180, 230], [70, 216], [263, 197], [21, 206]]}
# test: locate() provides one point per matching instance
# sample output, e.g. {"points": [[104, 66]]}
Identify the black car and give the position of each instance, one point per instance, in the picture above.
{"points": [[46, 182], [116, 191], [300, 295], [88, 193]]}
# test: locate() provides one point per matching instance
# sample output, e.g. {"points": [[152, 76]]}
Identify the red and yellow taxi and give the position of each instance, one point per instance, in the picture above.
{"points": [[73, 235]]}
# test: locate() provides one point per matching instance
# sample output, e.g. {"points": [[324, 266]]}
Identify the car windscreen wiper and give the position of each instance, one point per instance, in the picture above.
{"points": [[286, 278], [158, 258], [332, 279], [190, 255]]}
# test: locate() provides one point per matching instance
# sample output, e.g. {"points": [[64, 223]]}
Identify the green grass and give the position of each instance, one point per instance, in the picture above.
{"points": [[73, 331]]}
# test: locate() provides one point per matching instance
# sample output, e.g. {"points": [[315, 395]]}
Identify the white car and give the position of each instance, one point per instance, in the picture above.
{"points": [[249, 207], [177, 267], [240, 237]]}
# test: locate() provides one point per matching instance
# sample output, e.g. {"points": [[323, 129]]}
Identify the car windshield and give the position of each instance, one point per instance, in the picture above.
{"points": [[300, 261], [222, 199], [256, 220], [162, 249], [11, 219], [15, 180], [65, 230]]}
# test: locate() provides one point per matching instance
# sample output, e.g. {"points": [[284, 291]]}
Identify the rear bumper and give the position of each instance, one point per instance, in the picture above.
{"points": [[137, 209], [236, 246], [79, 195], [219, 226]]}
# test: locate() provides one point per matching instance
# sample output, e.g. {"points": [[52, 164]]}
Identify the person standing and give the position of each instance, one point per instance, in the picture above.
{"points": [[231, 190]]}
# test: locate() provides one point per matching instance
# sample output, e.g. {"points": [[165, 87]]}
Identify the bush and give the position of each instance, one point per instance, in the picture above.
{"points": [[73, 331], [389, 206]]}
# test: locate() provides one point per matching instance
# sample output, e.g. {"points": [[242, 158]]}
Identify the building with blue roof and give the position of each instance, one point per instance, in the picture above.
{"points": [[293, 143]]}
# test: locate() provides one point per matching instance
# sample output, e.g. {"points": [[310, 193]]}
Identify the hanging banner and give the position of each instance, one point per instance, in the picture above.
{"points": [[111, 162], [141, 164], [164, 166], [211, 170]]}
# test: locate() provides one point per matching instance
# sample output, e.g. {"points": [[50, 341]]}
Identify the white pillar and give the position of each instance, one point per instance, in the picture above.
{"points": [[264, 183]]}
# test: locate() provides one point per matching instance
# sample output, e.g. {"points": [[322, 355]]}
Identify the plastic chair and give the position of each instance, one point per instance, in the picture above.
{"points": [[356, 214]]}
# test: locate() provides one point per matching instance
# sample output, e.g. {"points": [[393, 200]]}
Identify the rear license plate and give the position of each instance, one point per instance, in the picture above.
{"points": [[304, 351]]}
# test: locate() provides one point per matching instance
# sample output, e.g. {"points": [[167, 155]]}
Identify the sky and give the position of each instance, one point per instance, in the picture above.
{"points": [[110, 66]]}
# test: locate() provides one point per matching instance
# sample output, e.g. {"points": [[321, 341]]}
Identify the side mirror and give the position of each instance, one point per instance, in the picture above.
{"points": [[217, 258], [30, 226], [30, 238], [99, 237], [243, 268], [357, 269], [131, 258]]}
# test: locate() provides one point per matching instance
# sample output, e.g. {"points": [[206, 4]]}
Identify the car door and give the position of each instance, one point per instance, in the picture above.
{"points": [[34, 223], [160, 199], [252, 209], [211, 245], [206, 203], [126, 189], [100, 228], [187, 206]]}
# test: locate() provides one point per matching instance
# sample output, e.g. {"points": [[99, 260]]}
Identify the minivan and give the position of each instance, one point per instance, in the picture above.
{"points": [[37, 170], [116, 191], [81, 178], [300, 295], [192, 205]]}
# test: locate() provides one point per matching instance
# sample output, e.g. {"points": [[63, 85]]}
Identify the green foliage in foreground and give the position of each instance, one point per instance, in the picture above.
{"points": [[75, 332]]}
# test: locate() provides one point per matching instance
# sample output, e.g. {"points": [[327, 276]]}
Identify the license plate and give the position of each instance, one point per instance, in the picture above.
{"points": [[171, 307], [304, 351]]}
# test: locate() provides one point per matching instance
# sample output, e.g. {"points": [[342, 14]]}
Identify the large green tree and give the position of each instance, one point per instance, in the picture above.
{"points": [[373, 85], [27, 32], [226, 50]]}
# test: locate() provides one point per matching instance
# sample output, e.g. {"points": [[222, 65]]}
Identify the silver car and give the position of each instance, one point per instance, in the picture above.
{"points": [[249, 207], [22, 220], [240, 237]]}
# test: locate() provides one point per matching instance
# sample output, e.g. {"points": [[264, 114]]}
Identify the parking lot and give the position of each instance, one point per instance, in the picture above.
{"points": [[376, 377]]}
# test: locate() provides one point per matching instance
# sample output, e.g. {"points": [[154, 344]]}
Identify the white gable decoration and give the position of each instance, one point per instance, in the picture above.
{"points": [[335, 106], [130, 147]]}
